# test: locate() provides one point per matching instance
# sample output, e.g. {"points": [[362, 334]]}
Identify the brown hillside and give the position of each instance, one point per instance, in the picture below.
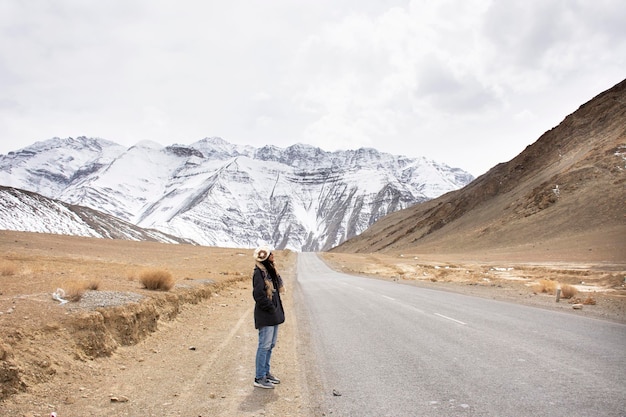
{"points": [[562, 198]]}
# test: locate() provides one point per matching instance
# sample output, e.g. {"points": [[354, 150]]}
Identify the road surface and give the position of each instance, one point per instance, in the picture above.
{"points": [[387, 349]]}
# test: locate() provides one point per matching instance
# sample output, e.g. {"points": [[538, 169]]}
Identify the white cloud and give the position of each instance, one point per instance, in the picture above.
{"points": [[468, 82]]}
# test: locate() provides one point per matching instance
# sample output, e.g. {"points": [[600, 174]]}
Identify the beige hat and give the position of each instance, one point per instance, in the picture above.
{"points": [[262, 253]]}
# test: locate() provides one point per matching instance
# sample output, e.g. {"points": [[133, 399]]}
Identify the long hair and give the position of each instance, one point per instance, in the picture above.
{"points": [[271, 269]]}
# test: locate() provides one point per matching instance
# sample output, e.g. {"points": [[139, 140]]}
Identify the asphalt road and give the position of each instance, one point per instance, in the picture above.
{"points": [[388, 349]]}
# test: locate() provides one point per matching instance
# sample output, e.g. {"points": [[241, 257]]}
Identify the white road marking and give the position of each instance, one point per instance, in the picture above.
{"points": [[450, 318], [389, 298]]}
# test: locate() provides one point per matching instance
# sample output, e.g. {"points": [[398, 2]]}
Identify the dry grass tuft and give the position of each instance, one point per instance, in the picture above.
{"points": [[156, 279], [74, 291], [568, 291], [589, 301], [546, 286], [92, 285], [8, 269]]}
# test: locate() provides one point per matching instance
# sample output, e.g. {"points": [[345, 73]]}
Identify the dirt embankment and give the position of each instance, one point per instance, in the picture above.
{"points": [[199, 362]]}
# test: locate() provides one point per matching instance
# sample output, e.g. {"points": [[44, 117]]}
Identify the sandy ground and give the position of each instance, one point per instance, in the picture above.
{"points": [[190, 351], [186, 352], [199, 364]]}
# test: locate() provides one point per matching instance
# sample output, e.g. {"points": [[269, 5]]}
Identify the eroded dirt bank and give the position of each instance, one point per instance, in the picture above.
{"points": [[123, 350], [200, 363]]}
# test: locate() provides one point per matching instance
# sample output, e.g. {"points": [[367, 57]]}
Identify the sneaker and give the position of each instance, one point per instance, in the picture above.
{"points": [[263, 383], [271, 378]]}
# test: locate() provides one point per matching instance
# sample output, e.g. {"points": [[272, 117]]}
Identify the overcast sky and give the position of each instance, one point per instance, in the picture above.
{"points": [[469, 83]]}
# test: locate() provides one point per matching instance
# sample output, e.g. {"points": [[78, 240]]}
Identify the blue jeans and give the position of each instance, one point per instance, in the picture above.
{"points": [[267, 341]]}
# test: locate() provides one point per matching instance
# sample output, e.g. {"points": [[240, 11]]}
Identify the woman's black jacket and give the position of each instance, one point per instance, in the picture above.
{"points": [[268, 311]]}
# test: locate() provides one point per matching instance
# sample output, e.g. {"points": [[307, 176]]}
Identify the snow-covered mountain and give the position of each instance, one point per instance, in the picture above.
{"points": [[219, 194], [27, 211]]}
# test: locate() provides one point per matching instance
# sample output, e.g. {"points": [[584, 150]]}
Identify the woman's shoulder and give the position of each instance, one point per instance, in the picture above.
{"points": [[258, 268]]}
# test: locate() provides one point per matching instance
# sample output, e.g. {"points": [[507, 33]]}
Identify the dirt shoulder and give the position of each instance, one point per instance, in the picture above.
{"points": [[185, 352], [199, 364], [599, 288]]}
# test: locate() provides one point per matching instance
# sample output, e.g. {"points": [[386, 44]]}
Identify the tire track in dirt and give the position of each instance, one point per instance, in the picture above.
{"points": [[202, 364], [189, 367], [216, 371], [216, 378]]}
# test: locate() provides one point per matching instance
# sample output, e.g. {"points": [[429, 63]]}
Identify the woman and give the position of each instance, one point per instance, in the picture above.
{"points": [[268, 313]]}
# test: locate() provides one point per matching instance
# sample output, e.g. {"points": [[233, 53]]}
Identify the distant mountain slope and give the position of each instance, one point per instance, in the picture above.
{"points": [[30, 212], [569, 188], [220, 194]]}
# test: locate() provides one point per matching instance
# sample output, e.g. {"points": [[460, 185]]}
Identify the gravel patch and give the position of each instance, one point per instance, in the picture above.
{"points": [[96, 299]]}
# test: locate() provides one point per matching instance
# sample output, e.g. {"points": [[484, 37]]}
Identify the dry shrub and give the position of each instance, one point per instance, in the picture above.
{"points": [[568, 291], [157, 279], [92, 285], [74, 291], [7, 269], [546, 286], [589, 301]]}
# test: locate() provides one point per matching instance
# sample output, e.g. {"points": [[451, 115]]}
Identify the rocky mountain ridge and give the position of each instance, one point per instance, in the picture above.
{"points": [[27, 211], [219, 194], [567, 190]]}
